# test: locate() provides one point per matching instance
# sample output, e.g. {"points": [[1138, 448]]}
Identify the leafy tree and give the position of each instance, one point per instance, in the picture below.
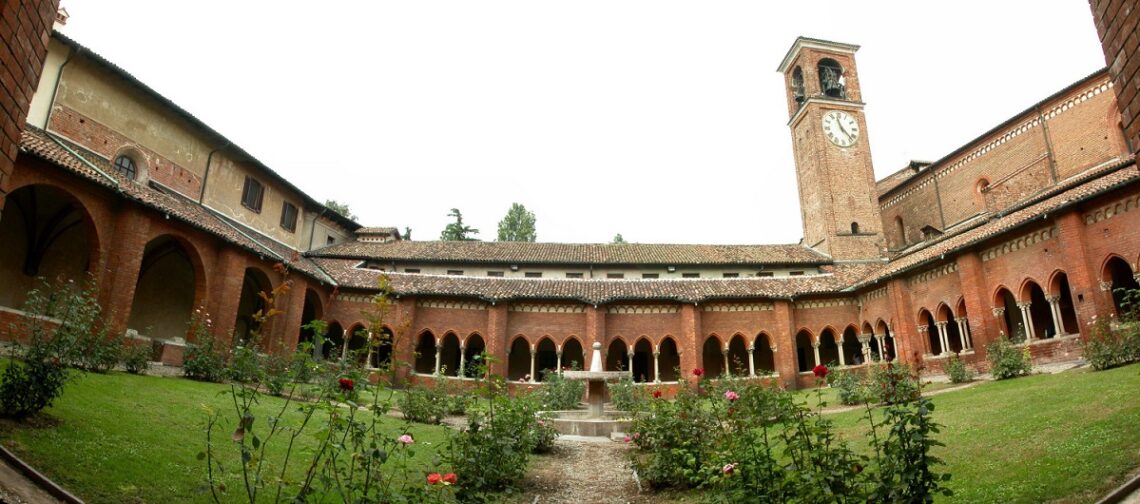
{"points": [[618, 239], [518, 225], [340, 208], [458, 231]]}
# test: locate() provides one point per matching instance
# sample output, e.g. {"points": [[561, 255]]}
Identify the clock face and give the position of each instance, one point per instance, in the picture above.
{"points": [[840, 128]]}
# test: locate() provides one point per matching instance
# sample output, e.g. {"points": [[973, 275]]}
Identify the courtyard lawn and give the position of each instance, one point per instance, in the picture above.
{"points": [[126, 438], [1069, 437]]}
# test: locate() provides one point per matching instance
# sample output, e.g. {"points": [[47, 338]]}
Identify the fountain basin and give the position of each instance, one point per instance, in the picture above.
{"points": [[587, 423]]}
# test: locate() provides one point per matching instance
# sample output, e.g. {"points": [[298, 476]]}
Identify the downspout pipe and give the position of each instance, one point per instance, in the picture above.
{"points": [[313, 229], [58, 79], [206, 176]]}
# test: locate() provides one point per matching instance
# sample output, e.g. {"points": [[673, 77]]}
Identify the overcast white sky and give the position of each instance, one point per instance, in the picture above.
{"points": [[661, 120]]}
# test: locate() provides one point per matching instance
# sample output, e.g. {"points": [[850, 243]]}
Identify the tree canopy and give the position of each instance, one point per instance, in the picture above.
{"points": [[618, 239], [458, 231], [340, 208], [517, 225]]}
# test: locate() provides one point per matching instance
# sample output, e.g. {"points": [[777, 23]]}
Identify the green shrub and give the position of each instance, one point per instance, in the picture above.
{"points": [[958, 371], [493, 451], [893, 383], [204, 359], [244, 365], [1109, 346], [37, 372], [420, 404], [850, 386], [275, 372], [136, 357], [558, 393], [1007, 361], [626, 396]]}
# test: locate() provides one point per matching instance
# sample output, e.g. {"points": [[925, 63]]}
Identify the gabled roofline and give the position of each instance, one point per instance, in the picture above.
{"points": [[194, 121]]}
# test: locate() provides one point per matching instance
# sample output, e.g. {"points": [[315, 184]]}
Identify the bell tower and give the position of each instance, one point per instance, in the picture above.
{"points": [[838, 201]]}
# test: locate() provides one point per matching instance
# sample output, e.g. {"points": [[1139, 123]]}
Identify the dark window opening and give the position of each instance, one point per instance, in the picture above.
{"points": [[854, 228], [533, 274], [251, 194], [649, 275], [831, 80], [126, 167], [573, 275], [330, 240], [615, 275], [411, 270], [795, 273], [494, 273], [288, 216], [454, 272], [798, 86], [690, 275], [765, 274], [731, 275]]}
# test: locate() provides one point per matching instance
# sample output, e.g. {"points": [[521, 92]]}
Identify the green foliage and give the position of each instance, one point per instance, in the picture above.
{"points": [[517, 225], [618, 239], [558, 393], [30, 385], [1116, 342], [136, 357], [204, 358], [493, 451], [906, 469], [626, 396], [276, 372], [1007, 361], [850, 386], [244, 366], [893, 383], [458, 231], [423, 405], [958, 371], [340, 208], [677, 439]]}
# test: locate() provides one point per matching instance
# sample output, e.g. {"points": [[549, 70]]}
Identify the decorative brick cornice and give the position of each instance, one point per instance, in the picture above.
{"points": [[1010, 133], [546, 308], [931, 274], [737, 307], [1018, 243], [356, 298], [1113, 209], [875, 294], [451, 305], [642, 309], [825, 303]]}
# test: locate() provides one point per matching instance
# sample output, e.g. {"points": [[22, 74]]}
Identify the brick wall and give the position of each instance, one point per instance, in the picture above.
{"points": [[24, 30], [1118, 23]]}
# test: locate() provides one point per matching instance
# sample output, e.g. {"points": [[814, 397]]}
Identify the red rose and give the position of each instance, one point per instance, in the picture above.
{"points": [[698, 372], [346, 384], [434, 479], [820, 371], [656, 394], [450, 478]]}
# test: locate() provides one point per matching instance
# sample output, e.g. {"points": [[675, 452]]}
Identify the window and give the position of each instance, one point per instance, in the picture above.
{"points": [[690, 275], [289, 216], [454, 272], [533, 274], [251, 194], [831, 79], [573, 275], [795, 273], [411, 270], [854, 228], [615, 275], [126, 167], [494, 273], [649, 275], [765, 274], [731, 275], [330, 240]]}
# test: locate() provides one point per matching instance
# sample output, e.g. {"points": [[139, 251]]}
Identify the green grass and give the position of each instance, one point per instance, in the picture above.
{"points": [[1069, 437], [125, 438]]}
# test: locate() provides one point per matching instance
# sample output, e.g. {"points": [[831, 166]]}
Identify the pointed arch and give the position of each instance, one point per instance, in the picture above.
{"points": [[828, 347], [643, 360], [518, 359], [852, 350], [573, 355], [1062, 295], [474, 349], [617, 355], [1119, 276], [381, 351], [712, 356], [425, 353], [357, 343], [545, 358], [805, 353], [738, 356], [1040, 311], [932, 342], [1008, 314], [669, 359], [765, 358], [169, 285], [449, 354]]}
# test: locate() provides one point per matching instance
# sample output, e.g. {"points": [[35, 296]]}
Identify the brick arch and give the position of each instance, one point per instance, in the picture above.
{"points": [[1026, 289], [805, 353], [473, 347], [880, 327], [545, 357], [669, 360], [643, 349], [712, 358], [997, 296], [84, 201], [811, 334], [424, 357], [161, 304], [737, 348], [960, 307], [829, 348], [1105, 269], [1053, 285], [573, 351], [518, 358], [616, 357], [764, 358], [255, 280], [868, 328], [357, 345], [943, 313], [764, 337]]}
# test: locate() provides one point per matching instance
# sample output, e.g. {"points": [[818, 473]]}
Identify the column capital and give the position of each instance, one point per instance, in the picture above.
{"points": [[999, 311], [1025, 305], [751, 348], [923, 328], [1105, 286], [865, 338], [1053, 298], [941, 324], [815, 344]]}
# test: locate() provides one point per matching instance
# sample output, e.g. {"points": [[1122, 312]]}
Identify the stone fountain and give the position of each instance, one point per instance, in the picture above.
{"points": [[595, 420]]}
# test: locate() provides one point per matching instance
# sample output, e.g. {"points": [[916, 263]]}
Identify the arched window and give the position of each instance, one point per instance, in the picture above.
{"points": [[831, 80], [126, 167], [900, 231], [980, 189], [798, 92], [854, 228]]}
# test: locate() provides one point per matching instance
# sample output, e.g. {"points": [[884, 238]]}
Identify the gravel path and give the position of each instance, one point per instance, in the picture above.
{"points": [[582, 471]]}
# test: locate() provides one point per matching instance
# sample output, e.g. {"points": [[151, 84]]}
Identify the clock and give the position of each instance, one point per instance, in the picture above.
{"points": [[840, 128]]}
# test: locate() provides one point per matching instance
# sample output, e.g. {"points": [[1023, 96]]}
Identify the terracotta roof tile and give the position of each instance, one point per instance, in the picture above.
{"points": [[574, 253]]}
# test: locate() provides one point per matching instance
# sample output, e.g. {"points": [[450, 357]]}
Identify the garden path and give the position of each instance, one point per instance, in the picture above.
{"points": [[582, 470]]}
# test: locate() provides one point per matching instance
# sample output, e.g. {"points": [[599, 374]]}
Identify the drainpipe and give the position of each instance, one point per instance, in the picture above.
{"points": [[313, 228], [206, 176], [58, 79]]}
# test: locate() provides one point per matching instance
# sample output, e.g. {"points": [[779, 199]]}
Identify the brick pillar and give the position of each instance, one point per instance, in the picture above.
{"points": [[293, 304], [784, 339], [1084, 280], [595, 332], [25, 27], [1116, 23], [979, 309], [497, 338], [402, 322], [124, 260], [903, 328], [223, 302], [690, 340]]}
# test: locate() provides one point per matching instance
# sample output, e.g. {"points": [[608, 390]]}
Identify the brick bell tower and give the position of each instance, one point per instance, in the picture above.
{"points": [[838, 201]]}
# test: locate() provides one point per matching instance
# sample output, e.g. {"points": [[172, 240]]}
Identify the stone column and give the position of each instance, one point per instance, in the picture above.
{"points": [[999, 314], [1027, 319], [727, 370], [943, 338], [751, 361], [438, 356], [630, 357], [842, 361], [533, 349], [815, 349], [922, 333], [964, 333], [1055, 309], [883, 347], [559, 360], [656, 364], [462, 359], [865, 344]]}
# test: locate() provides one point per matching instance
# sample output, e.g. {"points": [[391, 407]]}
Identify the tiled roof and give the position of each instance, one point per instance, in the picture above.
{"points": [[96, 169], [574, 253], [377, 230], [596, 291], [1069, 192]]}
